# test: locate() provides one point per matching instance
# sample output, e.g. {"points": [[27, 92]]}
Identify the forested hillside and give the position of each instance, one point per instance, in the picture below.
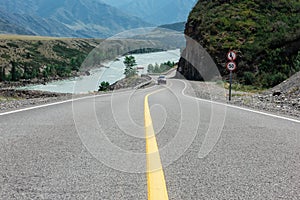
{"points": [[265, 34], [27, 58]]}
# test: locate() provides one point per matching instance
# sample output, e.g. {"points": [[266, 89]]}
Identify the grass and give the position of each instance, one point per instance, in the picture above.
{"points": [[30, 37], [238, 95], [244, 88], [239, 88], [3, 99]]}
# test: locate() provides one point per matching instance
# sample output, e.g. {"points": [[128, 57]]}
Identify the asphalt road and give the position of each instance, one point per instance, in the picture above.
{"points": [[94, 148]]}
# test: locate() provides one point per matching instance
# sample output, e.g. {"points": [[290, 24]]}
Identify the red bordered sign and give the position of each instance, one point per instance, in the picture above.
{"points": [[231, 66], [231, 55]]}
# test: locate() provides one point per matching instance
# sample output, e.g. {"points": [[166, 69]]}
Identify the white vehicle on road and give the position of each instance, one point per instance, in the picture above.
{"points": [[162, 80]]}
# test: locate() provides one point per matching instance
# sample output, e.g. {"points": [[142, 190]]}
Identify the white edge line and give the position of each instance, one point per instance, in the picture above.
{"points": [[62, 102], [50, 104], [237, 107]]}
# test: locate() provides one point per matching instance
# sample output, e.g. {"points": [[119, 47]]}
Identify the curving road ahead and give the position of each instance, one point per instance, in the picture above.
{"points": [[95, 148]]}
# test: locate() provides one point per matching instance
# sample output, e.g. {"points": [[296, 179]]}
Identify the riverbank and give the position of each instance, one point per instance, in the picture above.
{"points": [[112, 72], [12, 99]]}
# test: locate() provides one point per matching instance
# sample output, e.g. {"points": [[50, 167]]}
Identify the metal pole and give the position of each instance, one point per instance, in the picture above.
{"points": [[230, 85]]}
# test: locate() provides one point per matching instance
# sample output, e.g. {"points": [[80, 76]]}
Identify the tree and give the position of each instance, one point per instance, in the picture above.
{"points": [[27, 73], [15, 73], [156, 68], [150, 68], [130, 64], [104, 86], [2, 74], [76, 62]]}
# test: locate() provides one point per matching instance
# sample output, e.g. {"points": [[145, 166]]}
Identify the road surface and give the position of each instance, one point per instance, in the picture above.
{"points": [[95, 148]]}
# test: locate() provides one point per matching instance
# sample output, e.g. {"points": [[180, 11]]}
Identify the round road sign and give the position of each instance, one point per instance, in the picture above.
{"points": [[231, 66], [231, 55]]}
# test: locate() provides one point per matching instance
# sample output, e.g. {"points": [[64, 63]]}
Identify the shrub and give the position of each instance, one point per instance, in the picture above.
{"points": [[277, 78], [249, 78], [104, 86]]}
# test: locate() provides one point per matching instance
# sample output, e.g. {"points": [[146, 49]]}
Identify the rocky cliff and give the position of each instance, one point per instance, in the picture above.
{"points": [[265, 34]]}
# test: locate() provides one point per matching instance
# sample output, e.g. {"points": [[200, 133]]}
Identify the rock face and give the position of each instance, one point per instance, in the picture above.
{"points": [[266, 37], [196, 64]]}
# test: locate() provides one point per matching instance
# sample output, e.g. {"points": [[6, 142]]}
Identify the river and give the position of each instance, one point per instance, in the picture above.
{"points": [[112, 72]]}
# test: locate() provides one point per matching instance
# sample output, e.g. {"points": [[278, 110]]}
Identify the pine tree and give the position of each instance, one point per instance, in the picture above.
{"points": [[1, 74], [13, 71], [130, 64]]}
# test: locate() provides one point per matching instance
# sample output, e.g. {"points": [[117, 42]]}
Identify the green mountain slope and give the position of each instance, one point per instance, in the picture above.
{"points": [[266, 36]]}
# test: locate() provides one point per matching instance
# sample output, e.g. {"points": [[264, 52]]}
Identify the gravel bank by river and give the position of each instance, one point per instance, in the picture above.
{"points": [[11, 99]]}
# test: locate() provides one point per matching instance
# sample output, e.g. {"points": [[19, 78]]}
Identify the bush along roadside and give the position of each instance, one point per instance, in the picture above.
{"points": [[104, 86]]}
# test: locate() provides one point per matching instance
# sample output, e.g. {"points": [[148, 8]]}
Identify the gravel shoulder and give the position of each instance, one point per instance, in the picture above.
{"points": [[11, 99], [276, 100]]}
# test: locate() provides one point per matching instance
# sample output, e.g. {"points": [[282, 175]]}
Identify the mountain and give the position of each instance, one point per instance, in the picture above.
{"points": [[33, 25], [69, 18], [7, 25], [266, 37], [158, 12], [116, 3], [176, 26]]}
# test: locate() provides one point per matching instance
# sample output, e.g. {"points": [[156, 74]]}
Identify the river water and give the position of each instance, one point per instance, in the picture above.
{"points": [[111, 73]]}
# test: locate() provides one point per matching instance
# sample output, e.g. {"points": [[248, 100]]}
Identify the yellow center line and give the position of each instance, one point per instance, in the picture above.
{"points": [[157, 189]]}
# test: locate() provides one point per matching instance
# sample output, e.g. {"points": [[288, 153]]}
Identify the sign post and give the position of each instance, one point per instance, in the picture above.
{"points": [[231, 66], [230, 85]]}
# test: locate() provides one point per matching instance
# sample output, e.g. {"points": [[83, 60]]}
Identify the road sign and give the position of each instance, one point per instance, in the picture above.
{"points": [[231, 66], [231, 56]]}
